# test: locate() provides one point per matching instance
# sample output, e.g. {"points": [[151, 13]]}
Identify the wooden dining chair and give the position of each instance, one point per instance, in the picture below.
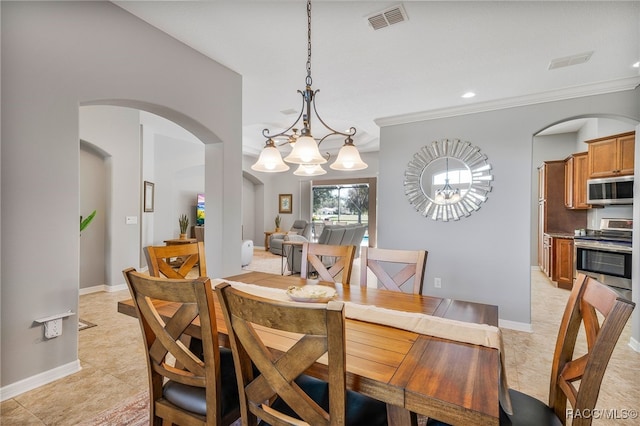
{"points": [[394, 269], [199, 391], [329, 262], [188, 255], [273, 386], [588, 300]]}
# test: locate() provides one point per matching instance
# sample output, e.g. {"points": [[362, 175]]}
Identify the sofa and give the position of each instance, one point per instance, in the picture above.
{"points": [[299, 227], [339, 235]]}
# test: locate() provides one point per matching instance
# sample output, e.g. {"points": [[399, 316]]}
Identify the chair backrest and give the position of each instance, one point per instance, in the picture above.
{"points": [[167, 357], [394, 269], [322, 329], [336, 235], [298, 226], [186, 257], [329, 261], [588, 296]]}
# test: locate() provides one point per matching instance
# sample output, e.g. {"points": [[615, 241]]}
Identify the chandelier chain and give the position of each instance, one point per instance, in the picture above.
{"points": [[308, 79]]}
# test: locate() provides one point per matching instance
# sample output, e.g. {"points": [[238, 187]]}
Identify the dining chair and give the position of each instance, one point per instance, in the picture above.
{"points": [[385, 264], [330, 262], [197, 391], [277, 376], [189, 255], [589, 300]]}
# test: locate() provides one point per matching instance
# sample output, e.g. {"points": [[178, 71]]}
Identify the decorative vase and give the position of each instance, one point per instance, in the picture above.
{"points": [[277, 229], [183, 236]]}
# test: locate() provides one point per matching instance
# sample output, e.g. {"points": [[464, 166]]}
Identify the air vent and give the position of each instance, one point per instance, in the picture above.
{"points": [[391, 16], [567, 61]]}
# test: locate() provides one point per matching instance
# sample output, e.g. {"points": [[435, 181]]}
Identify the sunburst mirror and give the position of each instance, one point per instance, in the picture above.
{"points": [[447, 179]]}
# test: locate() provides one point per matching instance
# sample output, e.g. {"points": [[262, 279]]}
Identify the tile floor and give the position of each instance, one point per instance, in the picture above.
{"points": [[113, 366]]}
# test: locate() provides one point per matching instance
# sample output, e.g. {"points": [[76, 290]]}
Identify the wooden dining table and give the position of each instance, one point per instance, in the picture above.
{"points": [[452, 381]]}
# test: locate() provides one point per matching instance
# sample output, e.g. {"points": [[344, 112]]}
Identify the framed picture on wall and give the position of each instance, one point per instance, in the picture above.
{"points": [[148, 196], [284, 203]]}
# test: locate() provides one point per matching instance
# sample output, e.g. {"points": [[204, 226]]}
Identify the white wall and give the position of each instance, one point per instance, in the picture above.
{"points": [[57, 56], [485, 257], [93, 196], [117, 131]]}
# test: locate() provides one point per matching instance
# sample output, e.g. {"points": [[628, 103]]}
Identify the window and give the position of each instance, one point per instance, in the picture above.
{"points": [[347, 201]]}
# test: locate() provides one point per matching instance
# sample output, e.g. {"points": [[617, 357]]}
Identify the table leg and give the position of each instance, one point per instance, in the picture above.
{"points": [[400, 416]]}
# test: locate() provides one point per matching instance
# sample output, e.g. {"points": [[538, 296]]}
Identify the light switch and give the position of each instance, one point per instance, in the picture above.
{"points": [[132, 220]]}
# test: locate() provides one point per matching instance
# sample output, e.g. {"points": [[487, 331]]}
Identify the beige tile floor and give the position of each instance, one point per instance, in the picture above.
{"points": [[113, 366]]}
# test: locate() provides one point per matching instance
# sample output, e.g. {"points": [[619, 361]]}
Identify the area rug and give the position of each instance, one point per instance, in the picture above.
{"points": [[83, 325], [133, 411]]}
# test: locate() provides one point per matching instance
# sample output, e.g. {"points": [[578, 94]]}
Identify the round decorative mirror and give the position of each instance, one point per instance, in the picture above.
{"points": [[447, 180]]}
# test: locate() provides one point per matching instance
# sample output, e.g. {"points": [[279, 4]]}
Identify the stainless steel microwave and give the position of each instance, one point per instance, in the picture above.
{"points": [[613, 190]]}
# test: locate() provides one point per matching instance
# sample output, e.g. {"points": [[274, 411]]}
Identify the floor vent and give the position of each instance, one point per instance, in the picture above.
{"points": [[391, 16], [567, 61]]}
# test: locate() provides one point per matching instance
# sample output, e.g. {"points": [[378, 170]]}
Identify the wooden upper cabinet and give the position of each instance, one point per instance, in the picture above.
{"points": [[611, 155], [575, 181]]}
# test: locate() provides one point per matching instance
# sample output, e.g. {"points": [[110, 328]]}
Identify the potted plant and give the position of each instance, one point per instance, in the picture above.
{"points": [[278, 219], [183, 220]]}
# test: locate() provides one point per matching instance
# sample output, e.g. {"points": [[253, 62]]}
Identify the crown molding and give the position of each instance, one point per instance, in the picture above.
{"points": [[610, 86]]}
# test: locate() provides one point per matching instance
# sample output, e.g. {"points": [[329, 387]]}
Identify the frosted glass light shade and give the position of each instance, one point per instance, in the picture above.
{"points": [[305, 151], [348, 159], [270, 161], [309, 170]]}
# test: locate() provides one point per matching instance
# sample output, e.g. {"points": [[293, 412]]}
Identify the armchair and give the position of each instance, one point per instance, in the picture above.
{"points": [[338, 235], [299, 227]]}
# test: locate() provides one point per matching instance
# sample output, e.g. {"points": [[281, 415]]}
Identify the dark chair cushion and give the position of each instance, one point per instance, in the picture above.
{"points": [[361, 410], [192, 398], [527, 411]]}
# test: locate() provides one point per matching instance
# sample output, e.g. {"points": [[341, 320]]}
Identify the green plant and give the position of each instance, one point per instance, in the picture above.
{"points": [[86, 221], [278, 219], [183, 220]]}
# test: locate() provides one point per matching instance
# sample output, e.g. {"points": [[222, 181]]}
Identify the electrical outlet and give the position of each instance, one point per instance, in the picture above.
{"points": [[53, 328], [437, 282]]}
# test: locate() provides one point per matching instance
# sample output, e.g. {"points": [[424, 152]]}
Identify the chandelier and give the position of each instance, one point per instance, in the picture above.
{"points": [[447, 194], [306, 147]]}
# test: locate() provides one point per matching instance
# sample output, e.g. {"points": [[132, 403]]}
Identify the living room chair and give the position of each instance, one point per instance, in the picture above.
{"points": [[197, 391], [277, 391], [299, 227], [329, 262], [189, 255], [589, 300], [394, 269]]}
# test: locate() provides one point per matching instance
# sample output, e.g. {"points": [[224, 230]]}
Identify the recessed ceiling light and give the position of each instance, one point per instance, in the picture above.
{"points": [[636, 65], [468, 95]]}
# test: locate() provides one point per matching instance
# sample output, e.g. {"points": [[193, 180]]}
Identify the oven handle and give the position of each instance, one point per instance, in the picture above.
{"points": [[603, 247]]}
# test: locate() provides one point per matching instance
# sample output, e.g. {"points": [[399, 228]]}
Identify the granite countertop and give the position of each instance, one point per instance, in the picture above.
{"points": [[561, 234]]}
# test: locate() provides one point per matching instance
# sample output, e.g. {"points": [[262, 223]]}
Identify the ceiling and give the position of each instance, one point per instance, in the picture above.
{"points": [[412, 70]]}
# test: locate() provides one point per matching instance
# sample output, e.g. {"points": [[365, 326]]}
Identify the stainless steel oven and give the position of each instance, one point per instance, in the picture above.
{"points": [[605, 254]]}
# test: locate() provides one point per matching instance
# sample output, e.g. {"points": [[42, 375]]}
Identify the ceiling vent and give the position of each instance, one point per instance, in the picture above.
{"points": [[580, 58], [391, 16]]}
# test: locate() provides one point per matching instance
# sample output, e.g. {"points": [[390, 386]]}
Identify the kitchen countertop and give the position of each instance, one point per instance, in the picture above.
{"points": [[561, 234]]}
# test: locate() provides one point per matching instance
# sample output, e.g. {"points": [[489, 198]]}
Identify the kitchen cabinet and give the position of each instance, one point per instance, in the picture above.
{"points": [[562, 253], [576, 168], [611, 155], [553, 216]]}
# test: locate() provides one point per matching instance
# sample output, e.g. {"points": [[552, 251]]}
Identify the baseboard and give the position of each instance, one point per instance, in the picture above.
{"points": [[103, 287], [634, 344], [40, 379], [515, 325], [107, 288]]}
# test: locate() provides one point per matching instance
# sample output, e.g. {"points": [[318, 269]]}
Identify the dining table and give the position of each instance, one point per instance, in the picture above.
{"points": [[413, 373]]}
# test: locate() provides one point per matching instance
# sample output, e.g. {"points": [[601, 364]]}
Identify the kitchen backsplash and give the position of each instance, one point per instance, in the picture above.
{"points": [[594, 215]]}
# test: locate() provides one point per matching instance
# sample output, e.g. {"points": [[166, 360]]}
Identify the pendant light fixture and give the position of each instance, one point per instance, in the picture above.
{"points": [[306, 150], [447, 194]]}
